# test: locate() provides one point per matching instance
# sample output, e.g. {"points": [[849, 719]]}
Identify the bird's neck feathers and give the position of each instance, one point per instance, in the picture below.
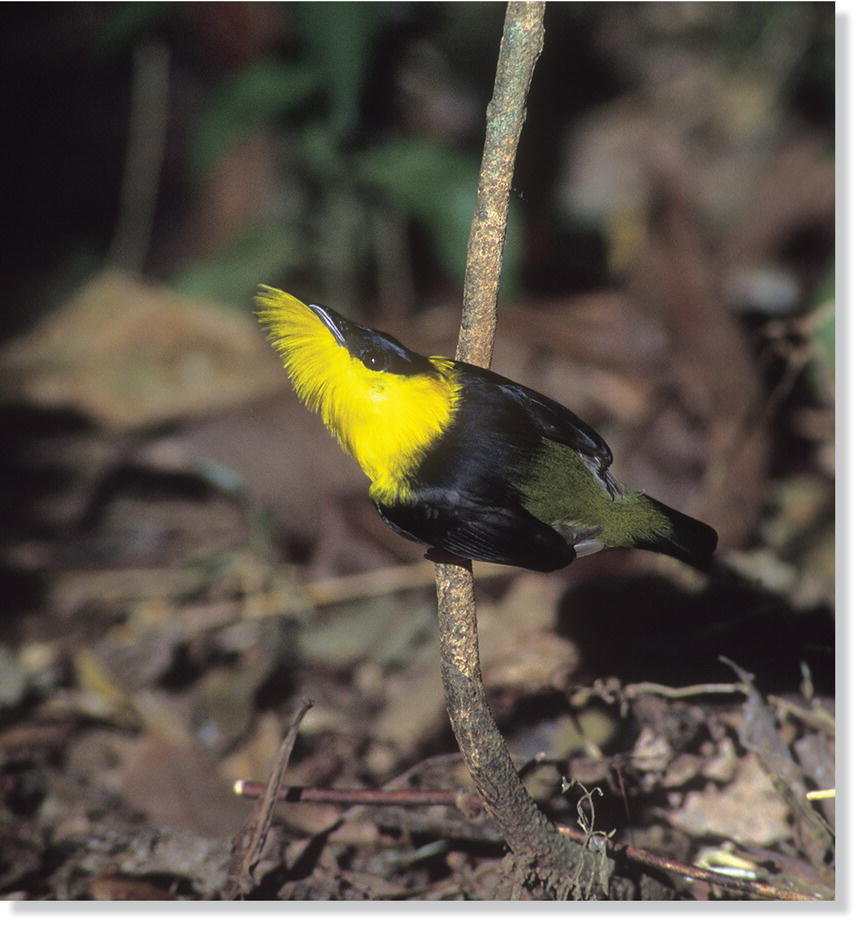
{"points": [[386, 421]]}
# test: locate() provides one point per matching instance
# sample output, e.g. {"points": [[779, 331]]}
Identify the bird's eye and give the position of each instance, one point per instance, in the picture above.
{"points": [[373, 359]]}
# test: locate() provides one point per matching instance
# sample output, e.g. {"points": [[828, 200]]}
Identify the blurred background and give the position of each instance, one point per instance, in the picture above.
{"points": [[186, 551]]}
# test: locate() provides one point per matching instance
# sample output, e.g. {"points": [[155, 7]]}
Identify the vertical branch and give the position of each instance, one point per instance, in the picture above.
{"points": [[520, 48], [528, 832]]}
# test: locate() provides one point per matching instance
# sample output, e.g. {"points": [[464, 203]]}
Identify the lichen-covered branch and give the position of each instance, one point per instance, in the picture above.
{"points": [[520, 48], [538, 847]]}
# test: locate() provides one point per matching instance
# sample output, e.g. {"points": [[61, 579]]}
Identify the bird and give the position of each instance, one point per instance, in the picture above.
{"points": [[462, 459]]}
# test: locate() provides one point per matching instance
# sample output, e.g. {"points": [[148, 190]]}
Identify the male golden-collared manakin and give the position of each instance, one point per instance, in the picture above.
{"points": [[463, 459]]}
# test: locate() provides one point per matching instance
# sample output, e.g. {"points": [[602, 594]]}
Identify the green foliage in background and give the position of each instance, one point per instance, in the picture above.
{"points": [[312, 104], [430, 182], [258, 254], [339, 41], [253, 97]]}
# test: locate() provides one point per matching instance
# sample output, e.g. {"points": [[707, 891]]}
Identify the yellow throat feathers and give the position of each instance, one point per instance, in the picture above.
{"points": [[385, 420]]}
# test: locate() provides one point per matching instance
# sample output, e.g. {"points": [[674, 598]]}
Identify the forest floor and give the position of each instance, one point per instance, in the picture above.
{"points": [[180, 591]]}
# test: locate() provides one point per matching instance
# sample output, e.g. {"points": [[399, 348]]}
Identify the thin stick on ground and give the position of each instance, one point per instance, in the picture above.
{"points": [[413, 799], [527, 831], [248, 843], [352, 796]]}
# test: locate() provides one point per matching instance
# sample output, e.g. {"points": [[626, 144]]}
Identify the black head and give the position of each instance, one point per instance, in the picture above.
{"points": [[376, 350]]}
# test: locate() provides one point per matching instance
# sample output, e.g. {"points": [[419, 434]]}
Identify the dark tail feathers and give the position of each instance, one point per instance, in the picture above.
{"points": [[691, 541]]}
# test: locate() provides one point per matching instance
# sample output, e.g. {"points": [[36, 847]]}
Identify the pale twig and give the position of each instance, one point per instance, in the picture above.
{"points": [[353, 796]]}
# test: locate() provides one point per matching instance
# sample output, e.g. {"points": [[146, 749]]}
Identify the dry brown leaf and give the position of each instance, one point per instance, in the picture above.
{"points": [[177, 786], [132, 355], [746, 810]]}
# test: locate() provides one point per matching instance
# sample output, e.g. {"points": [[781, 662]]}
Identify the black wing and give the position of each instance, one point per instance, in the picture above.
{"points": [[557, 422], [547, 418], [474, 530]]}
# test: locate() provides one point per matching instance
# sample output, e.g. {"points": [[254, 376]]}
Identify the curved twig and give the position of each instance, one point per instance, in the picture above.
{"points": [[533, 839]]}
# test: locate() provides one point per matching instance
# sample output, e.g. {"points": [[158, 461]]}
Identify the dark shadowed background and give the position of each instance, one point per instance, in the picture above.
{"points": [[185, 551]]}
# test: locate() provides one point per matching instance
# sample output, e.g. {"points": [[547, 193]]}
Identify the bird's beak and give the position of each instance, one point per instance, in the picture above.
{"points": [[333, 322]]}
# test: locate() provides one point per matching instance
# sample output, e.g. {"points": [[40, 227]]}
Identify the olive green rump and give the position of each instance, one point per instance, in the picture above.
{"points": [[559, 488]]}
